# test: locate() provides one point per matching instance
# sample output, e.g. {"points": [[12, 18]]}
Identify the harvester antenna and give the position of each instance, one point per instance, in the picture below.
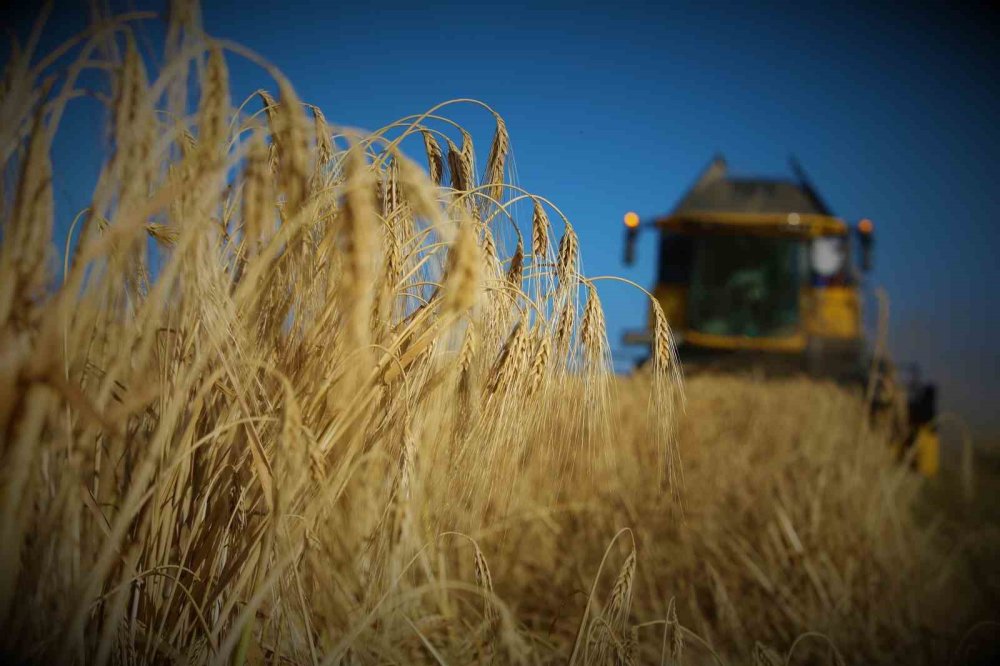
{"points": [[806, 184]]}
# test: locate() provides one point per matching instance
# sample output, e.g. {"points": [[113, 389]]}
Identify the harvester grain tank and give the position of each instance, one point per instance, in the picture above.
{"points": [[758, 272]]}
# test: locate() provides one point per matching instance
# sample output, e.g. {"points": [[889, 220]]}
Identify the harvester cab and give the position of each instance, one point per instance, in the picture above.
{"points": [[758, 272]]}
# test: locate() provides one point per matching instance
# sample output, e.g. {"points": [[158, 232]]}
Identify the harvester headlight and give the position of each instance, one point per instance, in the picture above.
{"points": [[828, 255]]}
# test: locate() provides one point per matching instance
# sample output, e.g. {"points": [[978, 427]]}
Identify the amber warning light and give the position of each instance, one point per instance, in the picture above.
{"points": [[631, 231], [866, 231]]}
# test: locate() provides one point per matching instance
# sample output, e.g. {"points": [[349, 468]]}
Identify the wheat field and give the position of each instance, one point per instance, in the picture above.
{"points": [[285, 393]]}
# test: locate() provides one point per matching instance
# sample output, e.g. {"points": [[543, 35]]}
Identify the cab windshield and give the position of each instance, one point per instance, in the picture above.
{"points": [[745, 285]]}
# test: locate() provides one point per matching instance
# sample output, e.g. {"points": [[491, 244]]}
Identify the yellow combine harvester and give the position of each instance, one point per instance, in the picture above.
{"points": [[759, 273]]}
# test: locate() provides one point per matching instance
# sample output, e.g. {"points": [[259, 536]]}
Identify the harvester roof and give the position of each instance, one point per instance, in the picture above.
{"points": [[717, 192]]}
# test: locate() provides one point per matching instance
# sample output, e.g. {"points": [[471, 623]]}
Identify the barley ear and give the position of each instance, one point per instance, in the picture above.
{"points": [[435, 158], [134, 126], [360, 225], [674, 632], [462, 275], [466, 381], [166, 236], [293, 148], [569, 251], [258, 194], [512, 358], [468, 154], [213, 109], [30, 230], [539, 365], [324, 141], [271, 110], [515, 273], [765, 656], [417, 191], [496, 160], [461, 169], [539, 232], [490, 250], [485, 582], [592, 328], [564, 330], [621, 594], [663, 346]]}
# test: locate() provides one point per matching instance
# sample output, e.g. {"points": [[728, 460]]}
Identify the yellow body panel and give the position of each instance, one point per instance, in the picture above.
{"points": [[790, 344], [803, 224], [928, 451], [833, 312]]}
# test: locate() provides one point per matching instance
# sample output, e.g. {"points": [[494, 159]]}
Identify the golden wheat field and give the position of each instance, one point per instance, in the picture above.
{"points": [[286, 395]]}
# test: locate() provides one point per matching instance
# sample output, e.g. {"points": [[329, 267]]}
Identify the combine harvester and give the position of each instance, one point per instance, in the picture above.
{"points": [[758, 273]]}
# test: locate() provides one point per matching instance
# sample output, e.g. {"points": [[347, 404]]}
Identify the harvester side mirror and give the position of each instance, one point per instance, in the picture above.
{"points": [[866, 237], [631, 233]]}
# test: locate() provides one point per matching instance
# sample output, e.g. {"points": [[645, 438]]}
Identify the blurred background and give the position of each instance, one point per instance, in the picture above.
{"points": [[891, 111]]}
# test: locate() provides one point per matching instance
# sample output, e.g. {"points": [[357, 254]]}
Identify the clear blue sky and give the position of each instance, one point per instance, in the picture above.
{"points": [[893, 112]]}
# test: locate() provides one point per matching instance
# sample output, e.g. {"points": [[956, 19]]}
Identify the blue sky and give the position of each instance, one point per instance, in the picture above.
{"points": [[891, 111]]}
